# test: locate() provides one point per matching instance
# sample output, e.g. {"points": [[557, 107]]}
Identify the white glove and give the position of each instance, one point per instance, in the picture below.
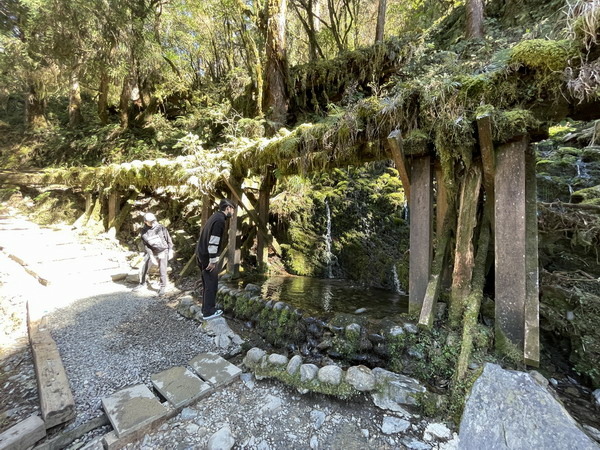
{"points": [[171, 254]]}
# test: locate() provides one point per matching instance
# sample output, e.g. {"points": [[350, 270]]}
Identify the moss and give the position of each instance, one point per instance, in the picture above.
{"points": [[507, 349], [543, 55], [343, 391]]}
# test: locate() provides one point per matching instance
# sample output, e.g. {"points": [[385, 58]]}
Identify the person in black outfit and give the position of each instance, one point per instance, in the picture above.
{"points": [[207, 256], [159, 249]]}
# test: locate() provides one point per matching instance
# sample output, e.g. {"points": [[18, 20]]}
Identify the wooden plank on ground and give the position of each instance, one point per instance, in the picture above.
{"points": [[532, 300], [395, 141], [421, 227], [56, 399], [510, 244], [24, 434]]}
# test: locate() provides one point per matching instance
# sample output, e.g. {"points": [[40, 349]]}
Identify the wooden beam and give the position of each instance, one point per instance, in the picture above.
{"points": [[262, 241], [488, 158], [532, 300], [113, 206], [464, 257], [510, 244], [57, 405], [421, 227], [395, 141], [234, 253], [441, 201], [24, 434]]}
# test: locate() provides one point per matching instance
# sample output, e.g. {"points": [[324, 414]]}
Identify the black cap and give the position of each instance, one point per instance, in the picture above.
{"points": [[224, 203]]}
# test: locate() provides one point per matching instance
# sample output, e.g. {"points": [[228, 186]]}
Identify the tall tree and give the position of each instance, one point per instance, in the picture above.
{"points": [[276, 99], [474, 11], [380, 21]]}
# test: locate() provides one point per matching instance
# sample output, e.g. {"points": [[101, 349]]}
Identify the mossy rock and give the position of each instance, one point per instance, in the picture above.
{"points": [[587, 196], [543, 55]]}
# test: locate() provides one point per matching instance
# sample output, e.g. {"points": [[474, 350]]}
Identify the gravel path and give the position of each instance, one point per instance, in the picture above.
{"points": [[119, 339]]}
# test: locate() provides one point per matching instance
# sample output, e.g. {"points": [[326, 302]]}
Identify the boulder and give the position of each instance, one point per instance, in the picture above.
{"points": [[395, 388], [509, 409], [254, 357], [294, 364], [330, 375], [361, 378], [308, 372]]}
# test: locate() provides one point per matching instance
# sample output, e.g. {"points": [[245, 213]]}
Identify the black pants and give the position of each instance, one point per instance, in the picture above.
{"points": [[210, 282], [163, 261]]}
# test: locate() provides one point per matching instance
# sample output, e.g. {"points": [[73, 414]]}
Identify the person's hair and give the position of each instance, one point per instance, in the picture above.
{"points": [[224, 203]]}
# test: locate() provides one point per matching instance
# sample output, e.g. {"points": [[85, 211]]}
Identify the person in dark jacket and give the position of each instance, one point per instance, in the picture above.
{"points": [[207, 256], [159, 249]]}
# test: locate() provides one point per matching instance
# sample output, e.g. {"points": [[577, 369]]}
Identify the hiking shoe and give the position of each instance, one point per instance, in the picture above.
{"points": [[217, 313], [138, 288]]}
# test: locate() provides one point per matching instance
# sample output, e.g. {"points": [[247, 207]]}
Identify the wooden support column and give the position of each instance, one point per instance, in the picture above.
{"points": [[441, 201], [234, 253], [262, 241], [532, 300], [421, 228], [113, 206], [488, 158], [206, 208], [510, 244], [395, 141]]}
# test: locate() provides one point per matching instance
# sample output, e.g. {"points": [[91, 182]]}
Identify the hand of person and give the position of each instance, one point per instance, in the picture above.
{"points": [[171, 254], [210, 267]]}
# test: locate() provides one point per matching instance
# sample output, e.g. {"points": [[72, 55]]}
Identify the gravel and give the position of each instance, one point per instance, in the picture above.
{"points": [[118, 339]]}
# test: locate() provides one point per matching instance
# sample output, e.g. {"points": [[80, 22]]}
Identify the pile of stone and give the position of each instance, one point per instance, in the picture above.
{"points": [[389, 390]]}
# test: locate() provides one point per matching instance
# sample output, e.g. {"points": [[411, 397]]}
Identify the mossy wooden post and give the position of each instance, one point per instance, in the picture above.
{"points": [[488, 158], [464, 257], [113, 206], [395, 141], [234, 253], [441, 201], [421, 229], [262, 241], [510, 245], [532, 300]]}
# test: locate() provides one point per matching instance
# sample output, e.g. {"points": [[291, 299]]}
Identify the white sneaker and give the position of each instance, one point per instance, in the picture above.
{"points": [[217, 313]]}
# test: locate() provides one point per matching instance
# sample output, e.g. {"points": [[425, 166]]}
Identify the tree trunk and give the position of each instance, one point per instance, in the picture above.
{"points": [[35, 109], [103, 97], [75, 117], [124, 102], [474, 10], [276, 100], [381, 21]]}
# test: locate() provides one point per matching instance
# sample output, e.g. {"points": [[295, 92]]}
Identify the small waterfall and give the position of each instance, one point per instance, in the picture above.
{"points": [[328, 255], [581, 169], [570, 189], [397, 288], [405, 210]]}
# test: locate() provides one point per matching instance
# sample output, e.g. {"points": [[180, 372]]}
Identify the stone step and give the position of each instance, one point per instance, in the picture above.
{"points": [[133, 408], [180, 386], [215, 369]]}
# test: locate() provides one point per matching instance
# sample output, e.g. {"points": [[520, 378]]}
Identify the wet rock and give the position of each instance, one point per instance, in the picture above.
{"points": [[314, 329], [252, 287], [361, 378], [596, 396], [392, 425], [221, 440], [308, 372], [330, 375], [397, 388], [294, 364], [414, 444], [279, 306], [254, 357], [436, 431], [411, 328], [360, 311], [396, 331], [507, 408], [376, 338]]}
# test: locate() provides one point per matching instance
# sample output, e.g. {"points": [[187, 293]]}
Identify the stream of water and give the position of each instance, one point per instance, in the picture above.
{"points": [[324, 297]]}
